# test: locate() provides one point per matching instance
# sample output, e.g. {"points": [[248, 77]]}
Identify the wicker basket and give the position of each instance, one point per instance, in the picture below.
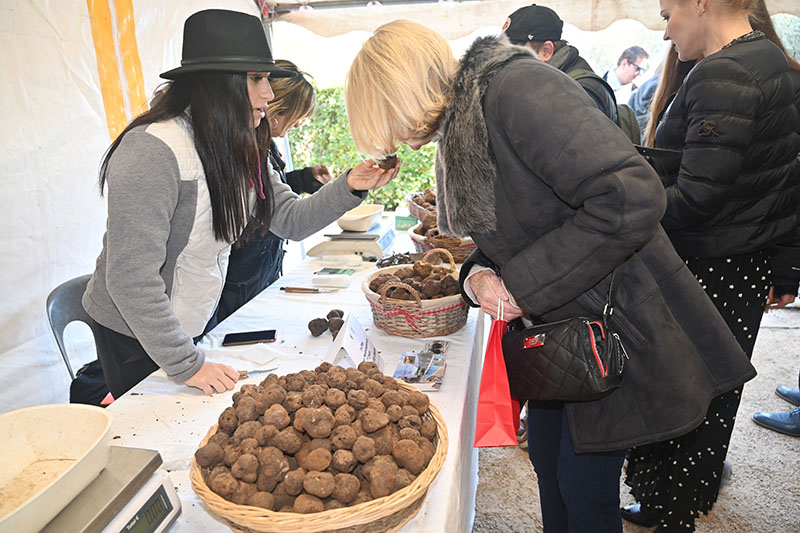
{"points": [[460, 248], [383, 514], [417, 318], [416, 210]]}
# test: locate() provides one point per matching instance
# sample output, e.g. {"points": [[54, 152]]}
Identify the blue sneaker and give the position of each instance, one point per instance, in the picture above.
{"points": [[789, 394], [786, 422]]}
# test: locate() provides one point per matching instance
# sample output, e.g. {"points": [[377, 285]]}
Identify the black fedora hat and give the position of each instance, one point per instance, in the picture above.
{"points": [[217, 40]]}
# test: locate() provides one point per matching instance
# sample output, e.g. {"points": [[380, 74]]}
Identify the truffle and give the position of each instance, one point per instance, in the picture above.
{"points": [[210, 455], [277, 416], [228, 420], [388, 162], [262, 499], [318, 326], [381, 478], [319, 484], [344, 460], [245, 468], [364, 449], [409, 456], [372, 420], [306, 503], [293, 482], [225, 485], [347, 487], [335, 324]]}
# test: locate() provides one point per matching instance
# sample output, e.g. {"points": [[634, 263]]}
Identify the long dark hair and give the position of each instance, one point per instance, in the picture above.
{"points": [[672, 74], [218, 107]]}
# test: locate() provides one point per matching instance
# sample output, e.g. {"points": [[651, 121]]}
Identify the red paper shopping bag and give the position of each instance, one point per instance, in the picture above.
{"points": [[498, 413]]}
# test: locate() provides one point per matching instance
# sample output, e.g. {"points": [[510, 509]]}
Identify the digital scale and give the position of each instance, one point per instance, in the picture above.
{"points": [[131, 495], [371, 243]]}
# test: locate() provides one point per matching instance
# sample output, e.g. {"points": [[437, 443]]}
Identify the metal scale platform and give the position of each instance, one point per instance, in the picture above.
{"points": [[129, 495]]}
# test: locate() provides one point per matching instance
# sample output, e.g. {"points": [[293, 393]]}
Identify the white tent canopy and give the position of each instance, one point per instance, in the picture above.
{"points": [[455, 19]]}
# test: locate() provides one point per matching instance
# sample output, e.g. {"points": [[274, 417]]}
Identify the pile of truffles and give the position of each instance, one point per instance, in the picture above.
{"points": [[426, 199], [429, 281], [430, 230], [313, 441], [332, 322]]}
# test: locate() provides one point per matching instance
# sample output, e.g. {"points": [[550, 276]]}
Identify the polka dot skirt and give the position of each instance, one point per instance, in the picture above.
{"points": [[679, 478]]}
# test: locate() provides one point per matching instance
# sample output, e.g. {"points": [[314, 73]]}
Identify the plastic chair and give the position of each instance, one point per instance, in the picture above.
{"points": [[63, 307]]}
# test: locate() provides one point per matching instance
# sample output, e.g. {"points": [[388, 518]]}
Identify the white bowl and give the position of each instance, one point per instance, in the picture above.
{"points": [[361, 218], [50, 454]]}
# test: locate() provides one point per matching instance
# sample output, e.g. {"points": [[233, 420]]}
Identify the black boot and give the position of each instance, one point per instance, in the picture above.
{"points": [[636, 515]]}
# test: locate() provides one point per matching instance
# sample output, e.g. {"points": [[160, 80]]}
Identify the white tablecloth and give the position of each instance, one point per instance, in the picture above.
{"points": [[157, 414]]}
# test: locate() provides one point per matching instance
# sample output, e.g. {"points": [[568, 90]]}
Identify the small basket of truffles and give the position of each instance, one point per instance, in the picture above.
{"points": [[422, 204], [426, 236], [419, 300], [334, 449]]}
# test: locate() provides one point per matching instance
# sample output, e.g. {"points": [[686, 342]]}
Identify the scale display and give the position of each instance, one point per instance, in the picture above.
{"points": [[151, 514]]}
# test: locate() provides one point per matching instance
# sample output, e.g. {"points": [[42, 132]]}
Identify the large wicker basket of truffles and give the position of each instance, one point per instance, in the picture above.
{"points": [[334, 449], [419, 300]]}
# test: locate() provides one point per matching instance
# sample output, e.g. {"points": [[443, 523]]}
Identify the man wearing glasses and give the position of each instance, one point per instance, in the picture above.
{"points": [[630, 64]]}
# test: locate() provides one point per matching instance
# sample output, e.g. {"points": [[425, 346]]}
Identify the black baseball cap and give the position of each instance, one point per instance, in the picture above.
{"points": [[533, 23]]}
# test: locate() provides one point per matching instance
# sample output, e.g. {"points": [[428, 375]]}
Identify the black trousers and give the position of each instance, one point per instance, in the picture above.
{"points": [[124, 361], [578, 492]]}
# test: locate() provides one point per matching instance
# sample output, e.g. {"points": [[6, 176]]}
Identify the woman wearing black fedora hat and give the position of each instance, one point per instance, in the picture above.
{"points": [[183, 180]]}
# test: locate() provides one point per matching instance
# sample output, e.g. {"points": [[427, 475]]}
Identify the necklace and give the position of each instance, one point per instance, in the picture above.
{"points": [[746, 38]]}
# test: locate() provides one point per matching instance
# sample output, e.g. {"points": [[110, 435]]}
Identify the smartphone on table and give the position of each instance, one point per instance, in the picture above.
{"points": [[249, 337]]}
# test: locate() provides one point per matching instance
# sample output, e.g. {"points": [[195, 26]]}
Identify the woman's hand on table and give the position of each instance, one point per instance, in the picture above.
{"points": [[488, 289], [367, 175], [214, 377]]}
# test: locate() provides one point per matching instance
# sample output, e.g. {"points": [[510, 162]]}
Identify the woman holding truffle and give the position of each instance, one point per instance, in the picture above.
{"points": [[555, 198], [181, 180], [256, 259]]}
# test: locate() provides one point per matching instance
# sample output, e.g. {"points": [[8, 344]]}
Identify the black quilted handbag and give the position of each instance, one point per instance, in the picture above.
{"points": [[572, 360]]}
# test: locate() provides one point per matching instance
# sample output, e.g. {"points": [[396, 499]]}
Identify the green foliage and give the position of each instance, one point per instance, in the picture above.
{"points": [[326, 140]]}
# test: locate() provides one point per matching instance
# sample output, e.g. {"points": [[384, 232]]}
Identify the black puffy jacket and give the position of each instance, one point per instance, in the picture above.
{"points": [[736, 188]]}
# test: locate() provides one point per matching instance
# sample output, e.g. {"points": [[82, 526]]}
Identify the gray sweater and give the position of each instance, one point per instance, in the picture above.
{"points": [[161, 271]]}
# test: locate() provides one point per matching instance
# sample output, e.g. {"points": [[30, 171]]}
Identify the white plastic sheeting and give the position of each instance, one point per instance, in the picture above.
{"points": [[54, 134]]}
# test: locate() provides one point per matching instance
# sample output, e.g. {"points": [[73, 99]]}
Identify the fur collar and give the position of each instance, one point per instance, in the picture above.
{"points": [[465, 170]]}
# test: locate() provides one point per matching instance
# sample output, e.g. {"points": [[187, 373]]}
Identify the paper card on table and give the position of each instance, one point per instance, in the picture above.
{"points": [[260, 354], [352, 346]]}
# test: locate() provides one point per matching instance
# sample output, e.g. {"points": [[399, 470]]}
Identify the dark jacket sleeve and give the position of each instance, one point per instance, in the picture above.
{"points": [[602, 97], [615, 198], [302, 180], [719, 130]]}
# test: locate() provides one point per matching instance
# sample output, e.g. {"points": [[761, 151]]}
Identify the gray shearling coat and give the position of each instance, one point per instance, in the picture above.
{"points": [[556, 197]]}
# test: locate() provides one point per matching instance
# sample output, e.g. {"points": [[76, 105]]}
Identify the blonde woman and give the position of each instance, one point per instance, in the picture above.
{"points": [[732, 202], [556, 198]]}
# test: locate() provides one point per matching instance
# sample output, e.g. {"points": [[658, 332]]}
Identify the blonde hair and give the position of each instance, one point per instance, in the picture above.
{"points": [[294, 97], [398, 86]]}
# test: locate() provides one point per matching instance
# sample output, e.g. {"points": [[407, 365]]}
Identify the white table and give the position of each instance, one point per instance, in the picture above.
{"points": [[158, 414]]}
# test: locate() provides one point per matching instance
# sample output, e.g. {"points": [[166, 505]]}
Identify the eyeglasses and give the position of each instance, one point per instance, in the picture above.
{"points": [[639, 69]]}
